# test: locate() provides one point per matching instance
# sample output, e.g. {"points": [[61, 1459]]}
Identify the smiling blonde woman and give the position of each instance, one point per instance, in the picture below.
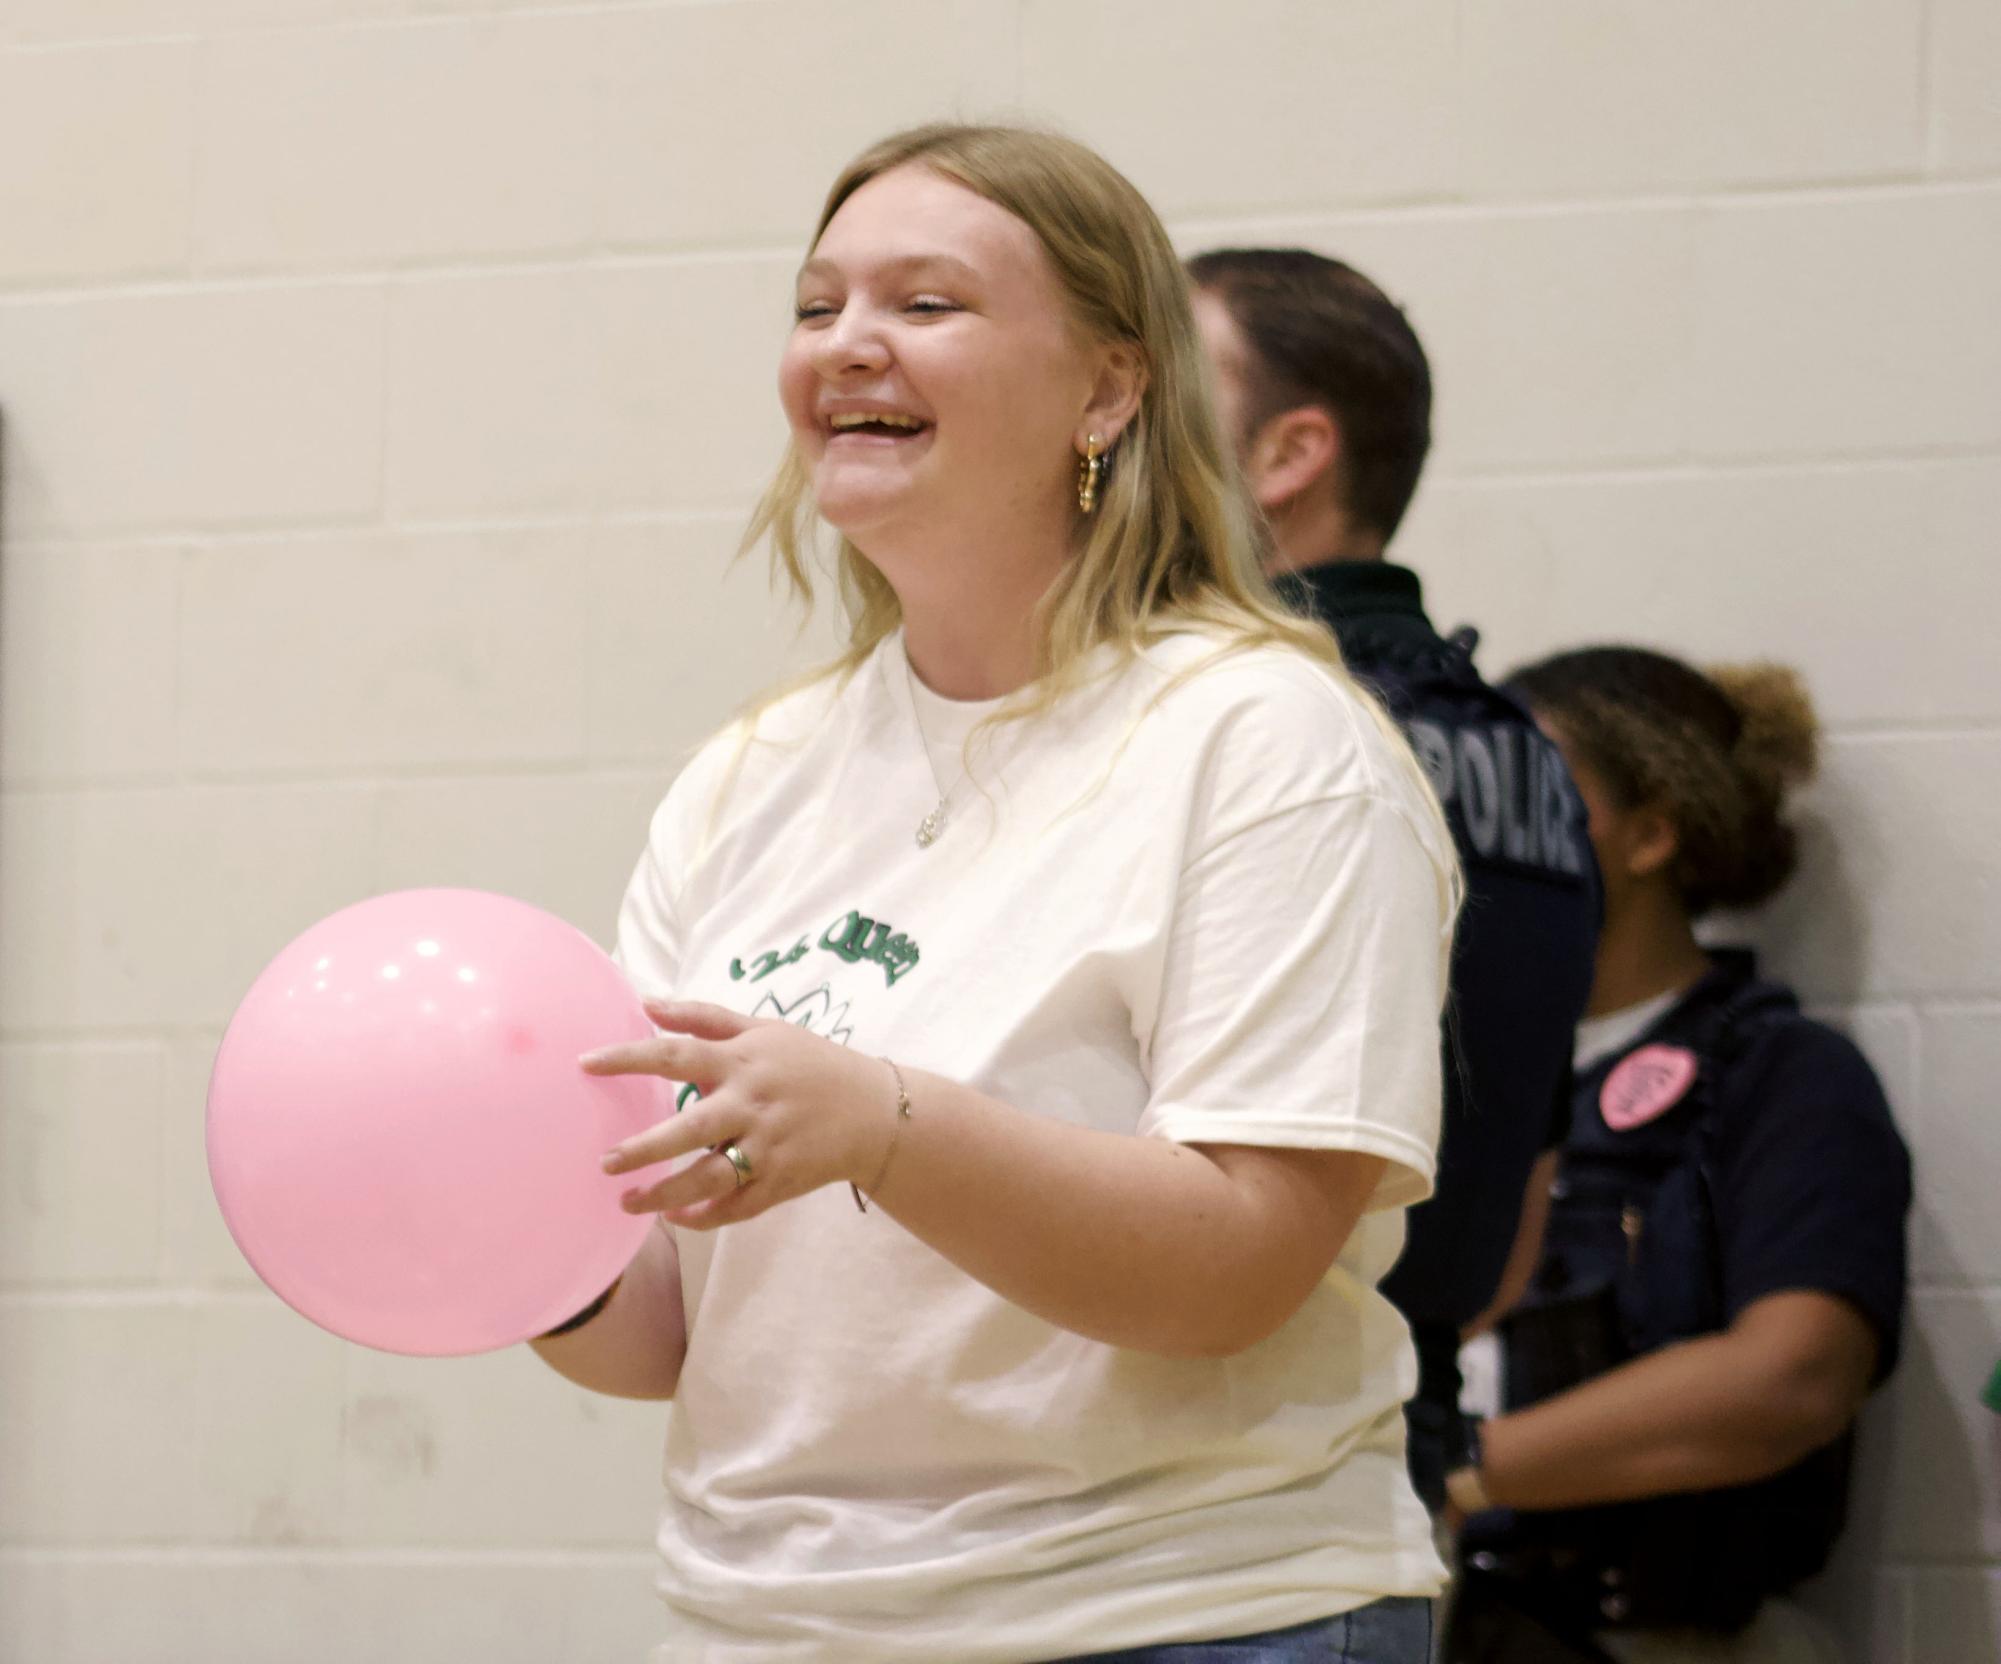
{"points": [[1052, 985]]}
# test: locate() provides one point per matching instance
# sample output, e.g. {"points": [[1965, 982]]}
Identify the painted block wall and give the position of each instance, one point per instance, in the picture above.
{"points": [[384, 385]]}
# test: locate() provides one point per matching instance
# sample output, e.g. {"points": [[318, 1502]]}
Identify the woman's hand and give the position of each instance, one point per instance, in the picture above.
{"points": [[1183, 1250], [800, 1110]]}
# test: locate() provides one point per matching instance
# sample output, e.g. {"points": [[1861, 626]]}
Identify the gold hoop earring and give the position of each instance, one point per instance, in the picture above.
{"points": [[1088, 470]]}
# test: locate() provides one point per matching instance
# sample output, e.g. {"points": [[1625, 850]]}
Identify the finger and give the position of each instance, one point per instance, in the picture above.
{"points": [[708, 1180], [674, 1056], [704, 1127], [729, 1209], [706, 1022]]}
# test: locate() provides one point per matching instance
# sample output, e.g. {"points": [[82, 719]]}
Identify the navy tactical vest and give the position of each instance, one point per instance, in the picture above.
{"points": [[1524, 948], [1632, 1262]]}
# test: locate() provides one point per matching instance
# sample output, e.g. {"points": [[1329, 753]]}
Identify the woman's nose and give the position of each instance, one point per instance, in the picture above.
{"points": [[851, 345]]}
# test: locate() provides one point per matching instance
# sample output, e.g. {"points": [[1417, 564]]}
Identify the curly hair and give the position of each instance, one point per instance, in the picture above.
{"points": [[1718, 753]]}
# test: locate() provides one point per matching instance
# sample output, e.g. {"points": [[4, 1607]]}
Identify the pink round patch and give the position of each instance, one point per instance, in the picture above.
{"points": [[1646, 1084]]}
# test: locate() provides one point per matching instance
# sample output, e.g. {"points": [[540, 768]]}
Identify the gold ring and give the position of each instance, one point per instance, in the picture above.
{"points": [[739, 1164]]}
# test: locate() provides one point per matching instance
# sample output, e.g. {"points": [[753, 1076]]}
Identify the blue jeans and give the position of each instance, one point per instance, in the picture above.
{"points": [[1392, 1631]]}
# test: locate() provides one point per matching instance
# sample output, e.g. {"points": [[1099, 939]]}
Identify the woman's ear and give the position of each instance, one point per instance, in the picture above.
{"points": [[1115, 395]]}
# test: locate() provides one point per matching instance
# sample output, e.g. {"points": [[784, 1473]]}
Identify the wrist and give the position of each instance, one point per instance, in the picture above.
{"points": [[1466, 1491], [1466, 1479], [881, 1169]]}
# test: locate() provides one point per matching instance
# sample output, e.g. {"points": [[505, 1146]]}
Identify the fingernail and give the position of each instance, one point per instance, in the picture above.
{"points": [[590, 1059], [609, 1160]]}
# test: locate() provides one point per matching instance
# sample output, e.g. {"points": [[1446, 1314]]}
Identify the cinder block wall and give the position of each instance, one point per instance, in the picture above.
{"points": [[384, 384]]}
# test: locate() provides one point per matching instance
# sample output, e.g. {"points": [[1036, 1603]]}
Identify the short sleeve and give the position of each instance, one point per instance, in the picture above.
{"points": [[1301, 992], [648, 947], [650, 918], [1814, 1182]]}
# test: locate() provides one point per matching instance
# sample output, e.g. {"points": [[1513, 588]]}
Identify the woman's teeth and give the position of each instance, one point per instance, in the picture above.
{"points": [[853, 419]]}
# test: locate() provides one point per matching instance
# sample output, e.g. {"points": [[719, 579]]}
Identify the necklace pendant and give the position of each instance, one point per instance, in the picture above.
{"points": [[930, 826]]}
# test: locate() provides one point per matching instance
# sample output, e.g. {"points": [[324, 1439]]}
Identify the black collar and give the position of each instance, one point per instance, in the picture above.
{"points": [[1732, 970], [1348, 589]]}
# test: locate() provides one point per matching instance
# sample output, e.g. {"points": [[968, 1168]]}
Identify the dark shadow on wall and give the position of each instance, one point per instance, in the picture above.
{"points": [[1908, 1583], [1815, 936], [1815, 933], [1868, 1610]]}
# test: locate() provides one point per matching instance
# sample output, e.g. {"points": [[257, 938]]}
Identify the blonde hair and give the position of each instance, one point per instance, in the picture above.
{"points": [[1175, 541]]}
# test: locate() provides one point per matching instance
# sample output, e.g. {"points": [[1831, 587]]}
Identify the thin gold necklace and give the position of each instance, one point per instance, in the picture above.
{"points": [[932, 827]]}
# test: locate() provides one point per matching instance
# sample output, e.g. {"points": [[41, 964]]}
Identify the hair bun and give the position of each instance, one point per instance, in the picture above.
{"points": [[1779, 742]]}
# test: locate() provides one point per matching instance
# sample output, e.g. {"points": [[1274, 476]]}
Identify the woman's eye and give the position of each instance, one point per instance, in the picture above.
{"points": [[809, 309], [931, 304]]}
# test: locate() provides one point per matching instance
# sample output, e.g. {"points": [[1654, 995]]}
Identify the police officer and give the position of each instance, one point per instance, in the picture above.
{"points": [[1723, 1273], [1327, 396]]}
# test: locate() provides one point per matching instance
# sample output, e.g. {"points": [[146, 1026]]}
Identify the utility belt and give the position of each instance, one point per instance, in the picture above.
{"points": [[1681, 1562], [1704, 1560], [1480, 1631]]}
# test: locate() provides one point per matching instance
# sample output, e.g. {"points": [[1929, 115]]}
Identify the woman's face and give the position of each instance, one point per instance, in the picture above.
{"points": [[1633, 844], [1605, 821], [934, 379]]}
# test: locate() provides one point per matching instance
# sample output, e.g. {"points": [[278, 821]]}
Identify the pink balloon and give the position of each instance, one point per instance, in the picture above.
{"points": [[400, 1137]]}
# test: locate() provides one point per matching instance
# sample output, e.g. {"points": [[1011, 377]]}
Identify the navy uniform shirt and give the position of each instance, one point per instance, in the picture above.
{"points": [[1804, 1182], [1523, 954], [1732, 1151]]}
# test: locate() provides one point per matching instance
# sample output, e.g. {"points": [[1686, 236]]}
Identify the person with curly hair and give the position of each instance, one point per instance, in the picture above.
{"points": [[1722, 1278]]}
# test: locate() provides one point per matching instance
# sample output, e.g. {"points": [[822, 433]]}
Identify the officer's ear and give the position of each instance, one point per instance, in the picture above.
{"points": [[1652, 841], [1290, 453]]}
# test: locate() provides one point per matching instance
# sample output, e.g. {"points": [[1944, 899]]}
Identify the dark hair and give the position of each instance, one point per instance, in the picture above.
{"points": [[1717, 753], [1322, 333]]}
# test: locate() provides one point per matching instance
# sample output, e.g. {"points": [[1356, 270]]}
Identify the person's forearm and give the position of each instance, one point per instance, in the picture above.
{"points": [[1693, 1417], [632, 1348], [1140, 1242]]}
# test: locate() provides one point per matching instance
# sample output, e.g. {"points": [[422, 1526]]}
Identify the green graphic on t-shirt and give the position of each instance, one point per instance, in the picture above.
{"points": [[765, 963], [816, 1013], [854, 936]]}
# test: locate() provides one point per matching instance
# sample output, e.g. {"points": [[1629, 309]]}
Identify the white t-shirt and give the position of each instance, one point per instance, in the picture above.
{"points": [[1600, 1037], [1220, 919]]}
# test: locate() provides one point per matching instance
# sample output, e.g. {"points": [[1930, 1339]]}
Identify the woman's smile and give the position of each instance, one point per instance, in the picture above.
{"points": [[852, 423]]}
